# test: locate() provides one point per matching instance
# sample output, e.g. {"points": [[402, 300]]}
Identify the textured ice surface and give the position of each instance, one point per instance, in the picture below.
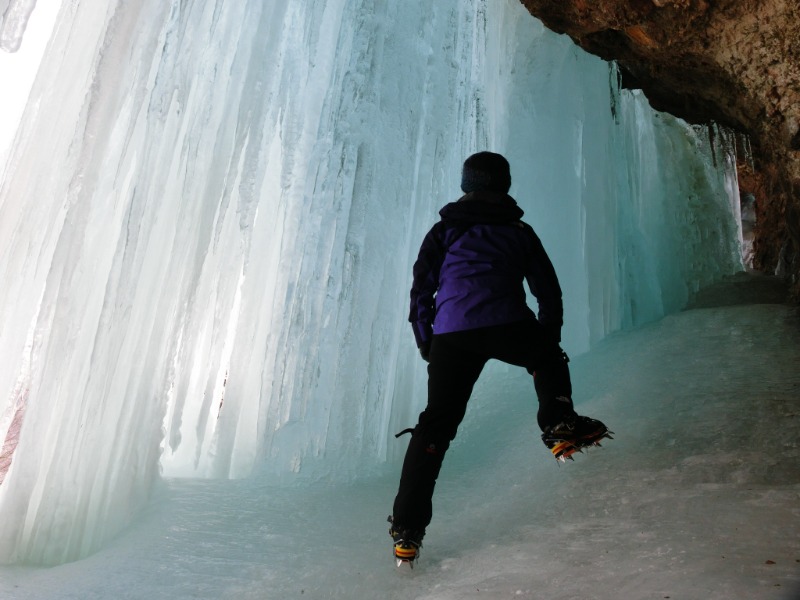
{"points": [[209, 214], [697, 497], [14, 15]]}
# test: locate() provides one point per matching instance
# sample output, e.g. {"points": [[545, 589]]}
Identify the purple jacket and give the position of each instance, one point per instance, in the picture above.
{"points": [[471, 268]]}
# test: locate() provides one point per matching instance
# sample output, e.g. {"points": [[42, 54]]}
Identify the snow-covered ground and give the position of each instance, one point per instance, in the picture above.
{"points": [[697, 497]]}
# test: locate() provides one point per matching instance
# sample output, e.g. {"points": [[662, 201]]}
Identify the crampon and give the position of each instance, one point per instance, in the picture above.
{"points": [[569, 437], [407, 543]]}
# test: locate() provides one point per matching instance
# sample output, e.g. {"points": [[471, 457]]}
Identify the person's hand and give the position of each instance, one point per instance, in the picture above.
{"points": [[554, 334], [424, 351]]}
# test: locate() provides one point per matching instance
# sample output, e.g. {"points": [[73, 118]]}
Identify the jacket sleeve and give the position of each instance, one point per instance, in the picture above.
{"points": [[425, 284], [543, 283]]}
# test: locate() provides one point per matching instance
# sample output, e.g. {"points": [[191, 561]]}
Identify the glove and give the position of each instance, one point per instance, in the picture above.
{"points": [[424, 351], [554, 334]]}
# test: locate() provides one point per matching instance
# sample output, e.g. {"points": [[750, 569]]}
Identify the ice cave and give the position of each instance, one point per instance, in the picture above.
{"points": [[208, 216]]}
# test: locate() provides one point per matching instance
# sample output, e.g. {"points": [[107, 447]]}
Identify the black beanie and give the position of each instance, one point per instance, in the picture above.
{"points": [[486, 171]]}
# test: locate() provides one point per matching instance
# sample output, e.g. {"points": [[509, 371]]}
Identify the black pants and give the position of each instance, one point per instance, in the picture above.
{"points": [[456, 362]]}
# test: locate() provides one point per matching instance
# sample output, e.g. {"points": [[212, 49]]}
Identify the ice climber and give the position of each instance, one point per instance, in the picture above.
{"points": [[468, 306]]}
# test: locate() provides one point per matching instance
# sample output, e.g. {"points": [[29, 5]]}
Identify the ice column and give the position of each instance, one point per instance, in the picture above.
{"points": [[14, 15]]}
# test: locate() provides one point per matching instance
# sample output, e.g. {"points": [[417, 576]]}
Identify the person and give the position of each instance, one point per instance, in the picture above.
{"points": [[468, 305]]}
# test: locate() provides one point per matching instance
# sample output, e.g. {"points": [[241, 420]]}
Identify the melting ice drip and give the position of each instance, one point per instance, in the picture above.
{"points": [[210, 211]]}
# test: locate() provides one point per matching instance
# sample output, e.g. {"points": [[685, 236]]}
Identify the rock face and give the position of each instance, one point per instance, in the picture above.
{"points": [[733, 62]]}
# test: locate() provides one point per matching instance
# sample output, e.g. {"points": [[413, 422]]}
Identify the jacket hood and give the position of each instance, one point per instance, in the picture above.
{"points": [[483, 207]]}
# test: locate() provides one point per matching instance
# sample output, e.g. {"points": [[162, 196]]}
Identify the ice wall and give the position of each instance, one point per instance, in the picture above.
{"points": [[210, 211]]}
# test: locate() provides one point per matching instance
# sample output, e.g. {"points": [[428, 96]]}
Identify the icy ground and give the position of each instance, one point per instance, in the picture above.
{"points": [[698, 497]]}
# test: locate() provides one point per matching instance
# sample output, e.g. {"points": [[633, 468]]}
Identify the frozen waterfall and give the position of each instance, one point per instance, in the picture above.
{"points": [[209, 212]]}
